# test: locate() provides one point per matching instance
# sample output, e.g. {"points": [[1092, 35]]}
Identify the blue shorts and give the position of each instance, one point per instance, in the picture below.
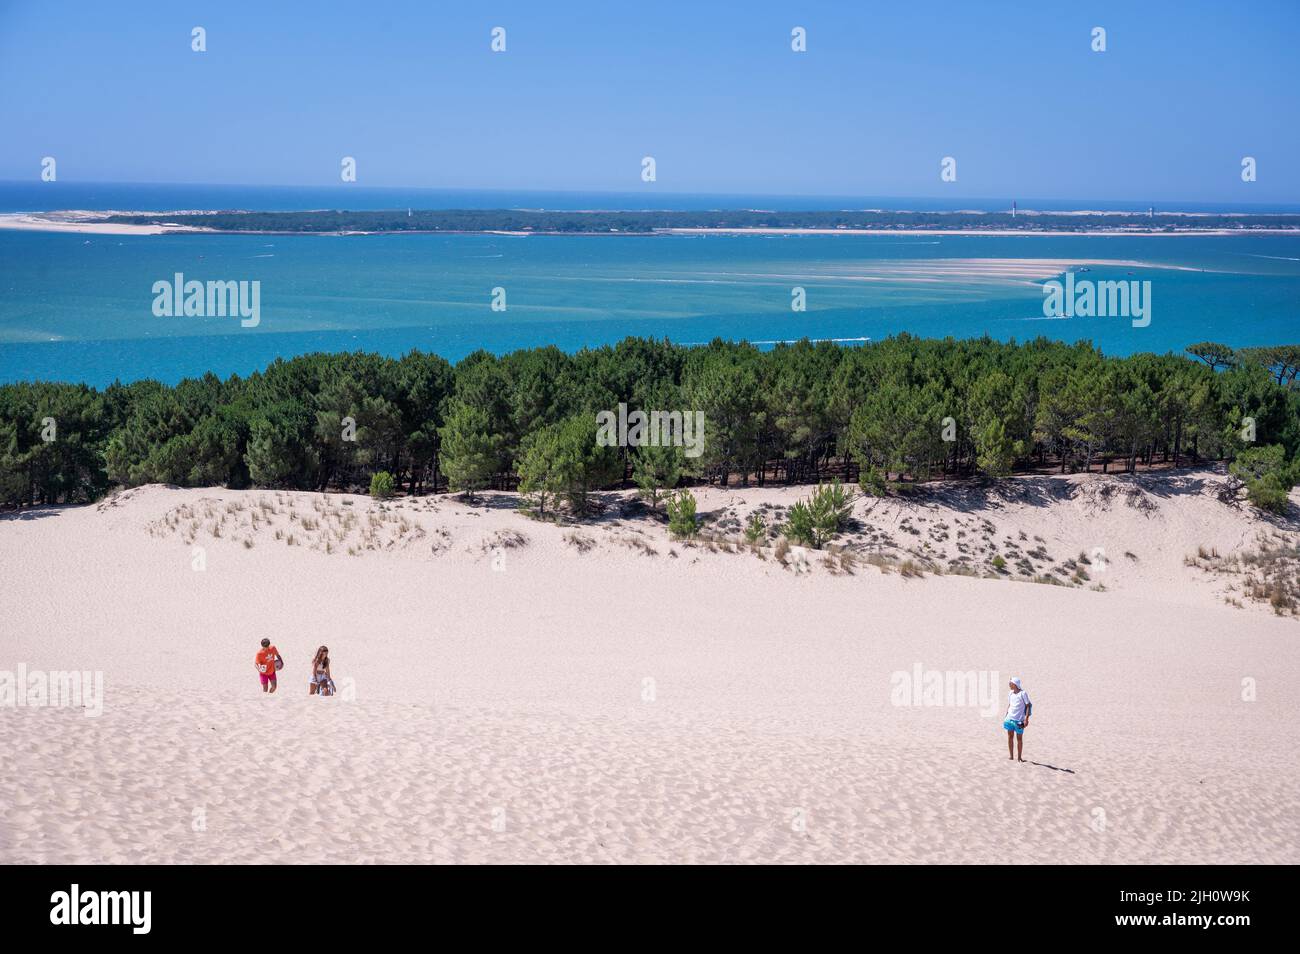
{"points": [[1013, 726]]}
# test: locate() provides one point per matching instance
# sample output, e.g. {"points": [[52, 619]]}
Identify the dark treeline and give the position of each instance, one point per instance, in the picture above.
{"points": [[525, 220], [884, 413]]}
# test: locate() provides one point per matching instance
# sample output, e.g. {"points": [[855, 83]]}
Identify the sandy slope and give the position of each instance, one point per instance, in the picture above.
{"points": [[505, 714]]}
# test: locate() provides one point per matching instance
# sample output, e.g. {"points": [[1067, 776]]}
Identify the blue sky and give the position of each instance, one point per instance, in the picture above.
{"points": [[713, 91]]}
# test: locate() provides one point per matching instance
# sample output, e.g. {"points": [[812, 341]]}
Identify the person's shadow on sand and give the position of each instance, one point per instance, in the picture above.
{"points": [[1054, 768]]}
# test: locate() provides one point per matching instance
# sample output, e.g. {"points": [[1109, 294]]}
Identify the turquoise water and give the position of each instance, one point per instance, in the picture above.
{"points": [[79, 307]]}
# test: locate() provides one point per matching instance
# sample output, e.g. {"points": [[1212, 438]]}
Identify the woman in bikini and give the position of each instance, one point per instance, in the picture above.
{"points": [[321, 681]]}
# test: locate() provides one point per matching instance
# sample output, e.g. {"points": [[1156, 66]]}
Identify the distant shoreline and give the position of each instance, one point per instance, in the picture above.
{"points": [[511, 222], [991, 232]]}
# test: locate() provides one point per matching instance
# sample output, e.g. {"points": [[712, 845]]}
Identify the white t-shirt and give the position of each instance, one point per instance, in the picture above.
{"points": [[1017, 704]]}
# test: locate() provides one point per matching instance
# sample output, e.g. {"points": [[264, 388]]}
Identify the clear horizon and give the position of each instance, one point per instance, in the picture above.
{"points": [[994, 203]]}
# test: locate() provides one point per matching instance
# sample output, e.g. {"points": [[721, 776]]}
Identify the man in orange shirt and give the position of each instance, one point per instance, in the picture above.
{"points": [[268, 661]]}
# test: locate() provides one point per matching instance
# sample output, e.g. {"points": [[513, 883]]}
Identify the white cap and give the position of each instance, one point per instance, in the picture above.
{"points": [[1015, 681]]}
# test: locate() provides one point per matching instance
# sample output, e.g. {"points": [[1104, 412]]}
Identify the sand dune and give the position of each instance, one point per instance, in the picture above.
{"points": [[519, 691], [81, 222]]}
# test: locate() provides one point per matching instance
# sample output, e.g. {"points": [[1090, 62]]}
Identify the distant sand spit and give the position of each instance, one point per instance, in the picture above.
{"points": [[939, 271], [78, 222], [521, 691]]}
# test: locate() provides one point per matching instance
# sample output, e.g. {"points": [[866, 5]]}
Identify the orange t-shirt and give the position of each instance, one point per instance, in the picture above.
{"points": [[266, 660]]}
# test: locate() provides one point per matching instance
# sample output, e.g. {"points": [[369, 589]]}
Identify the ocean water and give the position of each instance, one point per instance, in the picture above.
{"points": [[35, 196], [80, 307]]}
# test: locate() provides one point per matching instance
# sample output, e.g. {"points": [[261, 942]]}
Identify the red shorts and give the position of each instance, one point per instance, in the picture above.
{"points": [[267, 677]]}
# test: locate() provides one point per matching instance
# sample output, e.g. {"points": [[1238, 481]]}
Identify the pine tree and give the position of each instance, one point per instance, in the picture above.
{"points": [[656, 470], [470, 454]]}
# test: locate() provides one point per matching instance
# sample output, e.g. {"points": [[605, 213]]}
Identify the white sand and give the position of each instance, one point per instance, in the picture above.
{"points": [[932, 271], [503, 715], [77, 221]]}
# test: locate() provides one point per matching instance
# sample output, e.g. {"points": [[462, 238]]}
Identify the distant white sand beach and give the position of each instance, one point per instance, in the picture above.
{"points": [[78, 221]]}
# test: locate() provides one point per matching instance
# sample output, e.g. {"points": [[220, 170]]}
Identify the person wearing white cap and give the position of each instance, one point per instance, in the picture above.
{"points": [[1018, 709]]}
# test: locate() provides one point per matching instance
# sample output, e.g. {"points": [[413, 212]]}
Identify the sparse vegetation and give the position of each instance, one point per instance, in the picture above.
{"points": [[579, 541], [1268, 574], [1267, 476], [819, 519], [872, 481], [381, 485], [681, 514]]}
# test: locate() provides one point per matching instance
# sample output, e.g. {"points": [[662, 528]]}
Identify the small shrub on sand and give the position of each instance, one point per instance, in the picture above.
{"points": [[681, 514], [872, 482], [909, 568], [506, 539], [381, 485], [579, 541], [1266, 475], [817, 520], [638, 545], [879, 561]]}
